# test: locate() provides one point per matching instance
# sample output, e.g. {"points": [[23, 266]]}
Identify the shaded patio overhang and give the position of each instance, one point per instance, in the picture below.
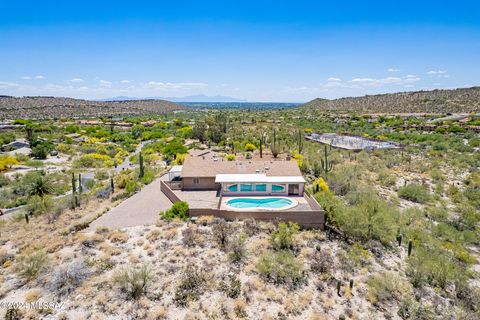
{"points": [[257, 178]]}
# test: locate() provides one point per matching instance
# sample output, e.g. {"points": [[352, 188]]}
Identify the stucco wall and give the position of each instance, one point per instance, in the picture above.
{"points": [[204, 184], [306, 219]]}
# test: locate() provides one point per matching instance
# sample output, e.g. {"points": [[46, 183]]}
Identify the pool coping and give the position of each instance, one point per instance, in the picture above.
{"points": [[292, 205]]}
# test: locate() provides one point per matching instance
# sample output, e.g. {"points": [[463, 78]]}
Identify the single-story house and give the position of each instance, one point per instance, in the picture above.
{"points": [[242, 177], [14, 145]]}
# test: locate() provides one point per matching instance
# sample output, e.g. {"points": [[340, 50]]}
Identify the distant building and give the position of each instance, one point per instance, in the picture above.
{"points": [[14, 145]]}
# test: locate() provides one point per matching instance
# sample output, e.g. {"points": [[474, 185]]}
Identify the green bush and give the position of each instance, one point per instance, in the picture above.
{"points": [[432, 266], [37, 205], [385, 286], [281, 267], [179, 210], [414, 192], [282, 238]]}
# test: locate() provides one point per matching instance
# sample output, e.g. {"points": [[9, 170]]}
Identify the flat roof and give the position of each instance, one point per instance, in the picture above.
{"points": [[176, 169], [210, 167], [256, 178]]}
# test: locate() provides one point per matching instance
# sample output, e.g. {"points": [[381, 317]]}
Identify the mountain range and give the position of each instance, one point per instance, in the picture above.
{"points": [[192, 98]]}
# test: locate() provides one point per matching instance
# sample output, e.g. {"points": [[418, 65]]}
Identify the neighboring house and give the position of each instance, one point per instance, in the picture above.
{"points": [[14, 145], [245, 177]]}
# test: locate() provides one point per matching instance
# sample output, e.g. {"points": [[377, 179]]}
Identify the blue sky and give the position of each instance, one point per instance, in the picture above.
{"points": [[254, 50]]}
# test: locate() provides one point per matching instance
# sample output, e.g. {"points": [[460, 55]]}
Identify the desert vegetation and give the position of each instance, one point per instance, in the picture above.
{"points": [[401, 238]]}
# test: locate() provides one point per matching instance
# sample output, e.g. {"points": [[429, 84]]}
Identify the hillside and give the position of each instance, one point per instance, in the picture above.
{"points": [[54, 107], [436, 101]]}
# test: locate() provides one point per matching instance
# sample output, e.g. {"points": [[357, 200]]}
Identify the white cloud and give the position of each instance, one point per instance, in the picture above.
{"points": [[8, 85], [105, 84], [393, 70], [75, 80], [171, 85], [437, 72], [26, 78], [39, 77], [372, 82], [125, 81], [333, 79]]}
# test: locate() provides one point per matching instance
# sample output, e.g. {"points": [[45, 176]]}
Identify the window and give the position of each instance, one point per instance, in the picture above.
{"points": [[278, 187], [196, 180], [262, 187], [246, 187], [231, 187]]}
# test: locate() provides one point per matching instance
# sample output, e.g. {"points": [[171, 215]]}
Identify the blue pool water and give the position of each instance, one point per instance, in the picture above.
{"points": [[268, 203]]}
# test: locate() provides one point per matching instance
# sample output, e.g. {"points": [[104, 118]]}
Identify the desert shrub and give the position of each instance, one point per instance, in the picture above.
{"points": [[282, 238], [189, 237], [7, 161], [66, 279], [385, 286], [221, 233], [38, 205], [231, 287], [250, 147], [31, 264], [387, 179], [179, 210], [343, 180], [94, 160], [133, 280], [414, 192], [132, 186], [433, 267], [237, 248], [250, 227], [122, 180], [321, 261], [411, 309], [230, 157], [281, 267], [191, 286], [39, 184]]}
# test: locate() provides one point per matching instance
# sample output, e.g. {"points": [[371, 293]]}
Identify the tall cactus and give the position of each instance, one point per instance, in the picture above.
{"points": [[80, 187], [112, 185], [274, 147], [326, 165], [300, 141], [142, 168], [261, 146], [74, 192]]}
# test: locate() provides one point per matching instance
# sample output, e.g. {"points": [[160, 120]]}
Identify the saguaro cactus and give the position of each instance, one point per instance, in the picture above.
{"points": [[300, 141], [112, 185], [339, 285], [74, 191], [410, 247], [142, 168], [326, 165], [274, 146], [80, 187], [399, 239]]}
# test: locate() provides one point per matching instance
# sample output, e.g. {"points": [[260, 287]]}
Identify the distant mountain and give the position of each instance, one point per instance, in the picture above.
{"points": [[192, 98], [56, 107], [464, 100]]}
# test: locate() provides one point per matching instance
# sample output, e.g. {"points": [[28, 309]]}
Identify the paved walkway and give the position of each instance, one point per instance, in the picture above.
{"points": [[143, 208]]}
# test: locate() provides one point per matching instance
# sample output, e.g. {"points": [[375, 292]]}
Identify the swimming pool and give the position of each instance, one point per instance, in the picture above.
{"points": [[267, 203]]}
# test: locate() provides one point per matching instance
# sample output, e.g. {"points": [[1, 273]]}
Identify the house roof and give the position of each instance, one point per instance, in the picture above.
{"points": [[256, 177], [208, 167]]}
